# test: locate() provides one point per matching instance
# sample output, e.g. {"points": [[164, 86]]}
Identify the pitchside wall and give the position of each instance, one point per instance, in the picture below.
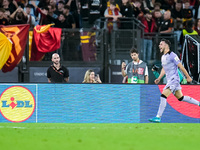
{"points": [[92, 103]]}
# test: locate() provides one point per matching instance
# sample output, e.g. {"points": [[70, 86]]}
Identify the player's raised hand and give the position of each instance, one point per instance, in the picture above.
{"points": [[157, 81], [123, 65], [189, 79]]}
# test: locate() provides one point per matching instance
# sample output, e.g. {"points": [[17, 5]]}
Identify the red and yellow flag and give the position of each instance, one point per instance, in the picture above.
{"points": [[88, 46], [45, 39], [18, 35], [5, 49]]}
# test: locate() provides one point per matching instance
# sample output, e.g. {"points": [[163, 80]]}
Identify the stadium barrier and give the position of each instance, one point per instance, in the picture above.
{"points": [[92, 103]]}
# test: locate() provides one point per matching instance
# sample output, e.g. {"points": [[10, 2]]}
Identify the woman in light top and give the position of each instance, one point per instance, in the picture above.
{"points": [[91, 78]]}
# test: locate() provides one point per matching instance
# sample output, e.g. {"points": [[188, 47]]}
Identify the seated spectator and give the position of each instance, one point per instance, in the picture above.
{"points": [[90, 77], [3, 20], [19, 16], [112, 13], [187, 11], [167, 24], [197, 26], [188, 31]]}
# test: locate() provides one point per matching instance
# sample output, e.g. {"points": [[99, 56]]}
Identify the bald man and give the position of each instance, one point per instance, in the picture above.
{"points": [[57, 73], [167, 23]]}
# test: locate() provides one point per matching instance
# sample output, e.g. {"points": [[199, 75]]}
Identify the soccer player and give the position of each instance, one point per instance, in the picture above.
{"points": [[170, 64]]}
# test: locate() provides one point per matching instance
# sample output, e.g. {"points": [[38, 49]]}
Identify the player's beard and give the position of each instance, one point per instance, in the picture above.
{"points": [[162, 51]]}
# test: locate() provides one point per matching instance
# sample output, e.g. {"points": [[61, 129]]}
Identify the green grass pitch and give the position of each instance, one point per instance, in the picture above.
{"points": [[55, 136]]}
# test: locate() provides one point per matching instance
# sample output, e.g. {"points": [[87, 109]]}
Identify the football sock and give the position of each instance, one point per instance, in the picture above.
{"points": [[190, 100], [163, 103]]}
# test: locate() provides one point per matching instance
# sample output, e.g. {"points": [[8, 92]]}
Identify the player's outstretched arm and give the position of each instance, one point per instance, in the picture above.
{"points": [[189, 79], [162, 73]]}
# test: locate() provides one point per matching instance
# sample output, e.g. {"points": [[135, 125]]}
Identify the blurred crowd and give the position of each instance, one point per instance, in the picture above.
{"points": [[158, 16], [71, 13], [162, 16]]}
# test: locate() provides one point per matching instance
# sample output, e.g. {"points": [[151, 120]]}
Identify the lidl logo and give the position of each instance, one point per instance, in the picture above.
{"points": [[17, 103]]}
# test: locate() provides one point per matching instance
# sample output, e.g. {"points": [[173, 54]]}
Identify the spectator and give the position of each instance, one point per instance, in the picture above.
{"points": [[197, 26], [137, 9], [176, 14], [94, 11], [136, 71], [150, 27], [7, 16], [84, 10], [126, 9], [31, 17], [60, 22], [112, 13], [60, 8], [157, 6], [69, 18], [187, 11], [43, 3], [167, 24], [43, 19], [75, 11], [188, 30], [7, 5], [91, 78], [19, 16], [197, 9], [158, 18], [57, 73], [51, 11], [3, 20], [177, 17], [165, 4], [53, 4], [112, 1], [148, 5]]}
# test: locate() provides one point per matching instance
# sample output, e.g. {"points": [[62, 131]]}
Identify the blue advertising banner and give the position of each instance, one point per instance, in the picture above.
{"points": [[92, 103]]}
